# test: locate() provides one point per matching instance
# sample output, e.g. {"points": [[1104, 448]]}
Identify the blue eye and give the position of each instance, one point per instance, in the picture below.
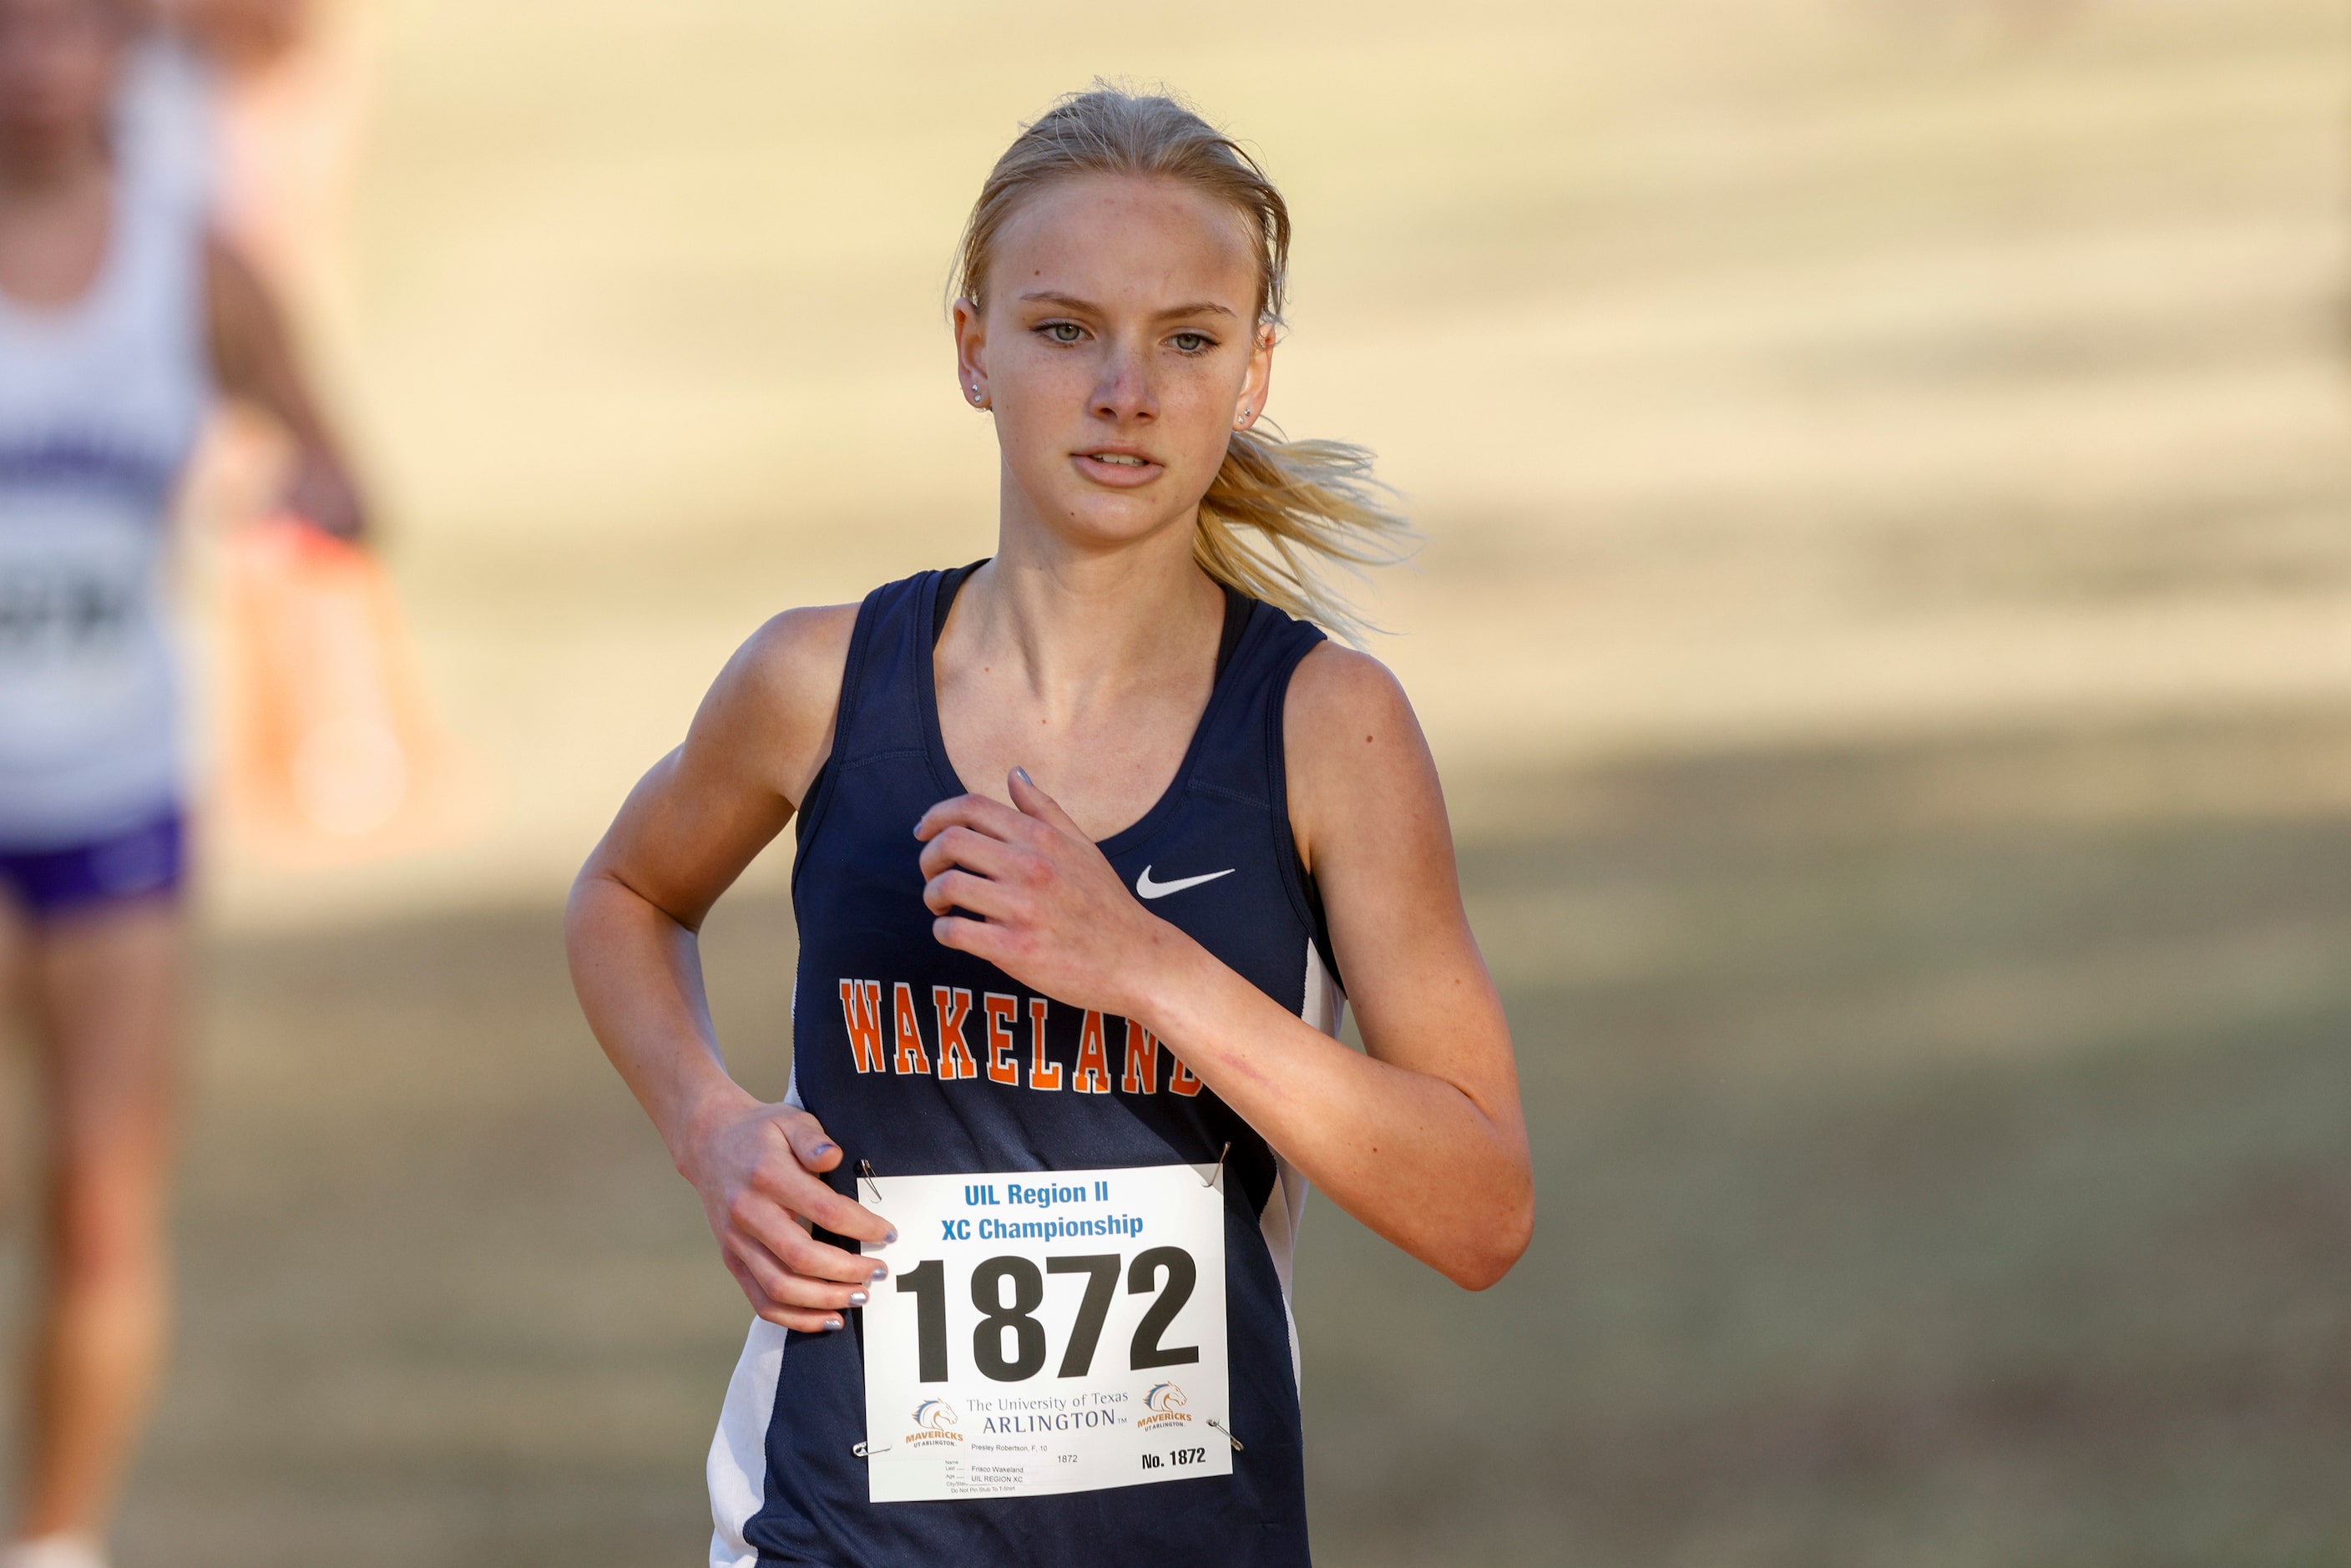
{"points": [[1066, 331], [1192, 342]]}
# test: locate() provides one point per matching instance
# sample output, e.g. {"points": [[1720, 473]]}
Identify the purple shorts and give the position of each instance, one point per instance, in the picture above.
{"points": [[145, 861]]}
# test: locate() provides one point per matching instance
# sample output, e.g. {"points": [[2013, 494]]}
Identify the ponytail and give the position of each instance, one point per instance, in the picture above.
{"points": [[1278, 510]]}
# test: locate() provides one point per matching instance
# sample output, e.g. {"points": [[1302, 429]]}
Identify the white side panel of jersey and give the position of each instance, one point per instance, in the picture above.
{"points": [[1285, 1206], [737, 1469]]}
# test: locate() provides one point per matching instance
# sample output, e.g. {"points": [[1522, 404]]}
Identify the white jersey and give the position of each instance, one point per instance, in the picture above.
{"points": [[100, 405], [167, 117]]}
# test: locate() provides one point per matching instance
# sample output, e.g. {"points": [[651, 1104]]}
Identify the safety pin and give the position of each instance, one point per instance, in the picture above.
{"points": [[863, 1452], [865, 1169], [1213, 1175], [1228, 1431]]}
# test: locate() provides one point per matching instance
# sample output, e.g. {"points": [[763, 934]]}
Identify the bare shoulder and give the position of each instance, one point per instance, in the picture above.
{"points": [[773, 705], [797, 649], [1357, 760], [1336, 683]]}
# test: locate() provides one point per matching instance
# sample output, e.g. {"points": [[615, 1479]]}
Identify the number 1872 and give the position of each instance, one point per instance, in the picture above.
{"points": [[1015, 1320]]}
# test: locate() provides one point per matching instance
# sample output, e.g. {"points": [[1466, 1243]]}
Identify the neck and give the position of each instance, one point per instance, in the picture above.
{"points": [[1075, 621]]}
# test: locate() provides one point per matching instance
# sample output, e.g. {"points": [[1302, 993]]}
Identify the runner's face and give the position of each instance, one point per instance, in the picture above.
{"points": [[1118, 347], [57, 60]]}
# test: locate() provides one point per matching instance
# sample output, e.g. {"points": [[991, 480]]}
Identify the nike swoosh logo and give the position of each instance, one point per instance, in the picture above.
{"points": [[1146, 888]]}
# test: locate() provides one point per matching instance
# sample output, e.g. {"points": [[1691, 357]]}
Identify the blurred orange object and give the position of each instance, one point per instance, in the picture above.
{"points": [[334, 753]]}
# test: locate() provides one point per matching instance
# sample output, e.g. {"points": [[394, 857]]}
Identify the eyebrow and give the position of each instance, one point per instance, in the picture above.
{"points": [[1054, 297]]}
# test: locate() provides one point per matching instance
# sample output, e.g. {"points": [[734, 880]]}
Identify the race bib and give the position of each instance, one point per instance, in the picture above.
{"points": [[1046, 1331]]}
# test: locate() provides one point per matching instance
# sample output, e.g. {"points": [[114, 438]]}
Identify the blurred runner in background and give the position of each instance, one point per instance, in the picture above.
{"points": [[120, 316]]}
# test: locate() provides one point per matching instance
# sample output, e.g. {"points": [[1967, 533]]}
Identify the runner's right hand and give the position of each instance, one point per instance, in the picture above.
{"points": [[756, 1167]]}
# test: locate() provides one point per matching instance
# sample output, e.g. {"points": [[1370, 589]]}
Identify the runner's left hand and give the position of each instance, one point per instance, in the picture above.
{"points": [[1057, 918], [320, 491]]}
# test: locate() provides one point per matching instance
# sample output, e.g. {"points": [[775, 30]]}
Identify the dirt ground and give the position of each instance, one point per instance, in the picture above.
{"points": [[1884, 468]]}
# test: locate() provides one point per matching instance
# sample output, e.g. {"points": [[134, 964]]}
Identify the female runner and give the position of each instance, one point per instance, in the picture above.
{"points": [[1087, 836], [118, 319]]}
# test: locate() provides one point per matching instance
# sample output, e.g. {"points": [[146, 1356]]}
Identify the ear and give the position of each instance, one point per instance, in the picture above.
{"points": [[1258, 382], [971, 353]]}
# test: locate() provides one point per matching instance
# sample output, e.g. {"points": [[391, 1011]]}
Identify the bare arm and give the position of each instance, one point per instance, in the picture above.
{"points": [[253, 360], [689, 828], [1422, 1139]]}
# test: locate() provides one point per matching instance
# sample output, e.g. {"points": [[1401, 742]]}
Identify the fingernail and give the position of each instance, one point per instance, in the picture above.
{"points": [[856, 1298], [881, 1272], [821, 1150], [1022, 774], [891, 1240], [831, 1324]]}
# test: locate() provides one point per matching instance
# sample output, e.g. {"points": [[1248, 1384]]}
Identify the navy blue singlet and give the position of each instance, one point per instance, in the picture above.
{"points": [[889, 1053]]}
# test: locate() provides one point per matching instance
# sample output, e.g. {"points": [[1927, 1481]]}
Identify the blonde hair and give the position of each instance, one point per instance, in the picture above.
{"points": [[1278, 510]]}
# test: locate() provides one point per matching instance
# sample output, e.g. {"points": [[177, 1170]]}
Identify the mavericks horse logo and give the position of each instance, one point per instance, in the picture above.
{"points": [[935, 1422], [1166, 1402]]}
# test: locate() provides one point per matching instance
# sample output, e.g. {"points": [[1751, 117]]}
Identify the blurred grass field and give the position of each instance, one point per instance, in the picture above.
{"points": [[1883, 623], [1942, 1158]]}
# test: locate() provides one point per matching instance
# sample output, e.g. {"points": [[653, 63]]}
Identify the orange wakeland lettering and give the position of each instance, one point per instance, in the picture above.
{"points": [[1179, 1077], [1092, 1075], [911, 1057], [1043, 1073], [951, 1007], [1001, 1011], [861, 1009], [1141, 1076]]}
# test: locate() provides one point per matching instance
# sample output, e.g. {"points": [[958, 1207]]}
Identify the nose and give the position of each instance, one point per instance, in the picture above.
{"points": [[1124, 394]]}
